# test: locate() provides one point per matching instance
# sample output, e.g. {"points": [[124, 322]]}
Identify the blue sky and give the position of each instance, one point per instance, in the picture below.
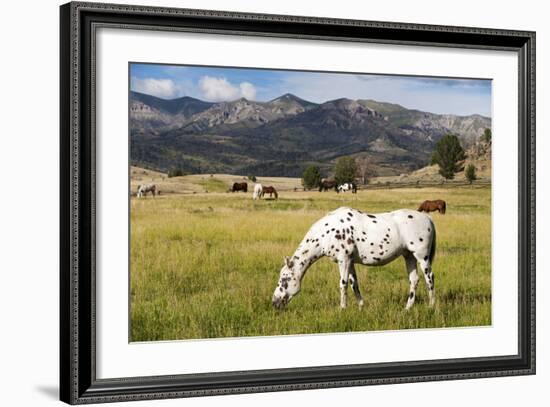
{"points": [[215, 84]]}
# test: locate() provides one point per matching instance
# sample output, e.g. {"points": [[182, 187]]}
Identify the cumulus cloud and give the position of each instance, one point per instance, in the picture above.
{"points": [[248, 90], [162, 88], [220, 89]]}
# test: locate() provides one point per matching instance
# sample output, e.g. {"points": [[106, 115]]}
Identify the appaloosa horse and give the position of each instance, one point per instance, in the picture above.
{"points": [[348, 236], [432, 206]]}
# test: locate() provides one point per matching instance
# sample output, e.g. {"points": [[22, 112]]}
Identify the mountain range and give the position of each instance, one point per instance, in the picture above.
{"points": [[283, 136]]}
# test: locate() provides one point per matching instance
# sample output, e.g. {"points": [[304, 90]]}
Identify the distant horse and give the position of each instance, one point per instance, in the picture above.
{"points": [[257, 191], [349, 236], [347, 186], [142, 190], [271, 191], [240, 186], [326, 184], [432, 206]]}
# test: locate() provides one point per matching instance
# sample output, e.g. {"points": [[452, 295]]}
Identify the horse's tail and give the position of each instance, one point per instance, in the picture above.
{"points": [[434, 244], [444, 207]]}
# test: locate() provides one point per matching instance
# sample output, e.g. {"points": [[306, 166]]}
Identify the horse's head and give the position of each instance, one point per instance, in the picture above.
{"points": [[288, 286]]}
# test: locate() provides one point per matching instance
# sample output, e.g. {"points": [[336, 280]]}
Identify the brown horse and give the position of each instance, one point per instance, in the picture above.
{"points": [[240, 186], [432, 206], [271, 191], [325, 185]]}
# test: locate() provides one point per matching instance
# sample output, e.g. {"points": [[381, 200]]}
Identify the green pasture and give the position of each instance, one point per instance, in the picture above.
{"points": [[205, 265]]}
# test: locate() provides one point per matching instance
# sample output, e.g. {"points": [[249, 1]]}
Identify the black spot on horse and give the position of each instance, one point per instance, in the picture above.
{"points": [[326, 224], [342, 220], [338, 237], [374, 221], [387, 235], [376, 258], [346, 251], [411, 295], [296, 257], [350, 214], [332, 247], [410, 216], [305, 251], [420, 239], [364, 233], [351, 227], [350, 241], [342, 245], [412, 242], [371, 243], [381, 253], [371, 216], [429, 230], [332, 229], [348, 219], [347, 230], [425, 258]]}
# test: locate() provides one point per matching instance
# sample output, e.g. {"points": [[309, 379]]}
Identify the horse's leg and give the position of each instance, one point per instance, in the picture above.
{"points": [[426, 267], [344, 266], [410, 261], [355, 285]]}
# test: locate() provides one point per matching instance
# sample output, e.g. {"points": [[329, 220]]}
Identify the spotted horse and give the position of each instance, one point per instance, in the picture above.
{"points": [[349, 236]]}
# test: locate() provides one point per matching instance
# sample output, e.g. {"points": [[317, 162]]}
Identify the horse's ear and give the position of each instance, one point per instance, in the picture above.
{"points": [[289, 263]]}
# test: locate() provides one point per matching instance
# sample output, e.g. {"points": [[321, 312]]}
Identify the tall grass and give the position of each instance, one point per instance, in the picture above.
{"points": [[206, 265]]}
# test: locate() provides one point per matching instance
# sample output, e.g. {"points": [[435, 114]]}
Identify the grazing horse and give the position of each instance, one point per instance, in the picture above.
{"points": [[240, 186], [347, 186], [432, 206], [257, 191], [348, 236], [271, 191], [142, 190], [326, 184]]}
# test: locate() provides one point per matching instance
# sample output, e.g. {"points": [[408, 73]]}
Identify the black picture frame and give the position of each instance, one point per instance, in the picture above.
{"points": [[78, 382]]}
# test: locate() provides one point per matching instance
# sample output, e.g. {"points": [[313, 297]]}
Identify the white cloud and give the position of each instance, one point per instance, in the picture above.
{"points": [[162, 88], [457, 97], [248, 90], [220, 89]]}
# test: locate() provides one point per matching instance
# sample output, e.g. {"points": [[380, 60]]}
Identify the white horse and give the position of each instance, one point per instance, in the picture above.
{"points": [[142, 190], [258, 189], [349, 236], [347, 186]]}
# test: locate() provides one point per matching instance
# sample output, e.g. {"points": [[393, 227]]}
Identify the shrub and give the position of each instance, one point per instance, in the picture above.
{"points": [[448, 153], [345, 170], [311, 177]]}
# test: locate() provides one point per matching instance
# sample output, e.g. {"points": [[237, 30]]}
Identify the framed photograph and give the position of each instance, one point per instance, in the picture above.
{"points": [[255, 203]]}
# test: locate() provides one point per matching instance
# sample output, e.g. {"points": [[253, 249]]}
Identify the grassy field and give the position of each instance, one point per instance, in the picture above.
{"points": [[205, 265]]}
